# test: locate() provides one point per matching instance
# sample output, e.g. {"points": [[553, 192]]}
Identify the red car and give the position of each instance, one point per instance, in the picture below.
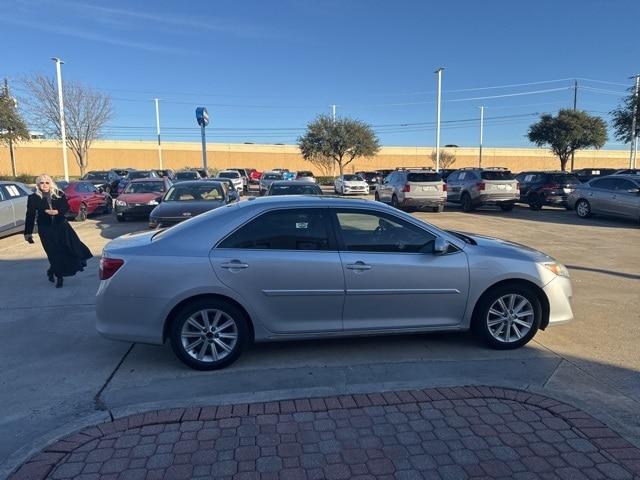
{"points": [[140, 197], [84, 199], [254, 176]]}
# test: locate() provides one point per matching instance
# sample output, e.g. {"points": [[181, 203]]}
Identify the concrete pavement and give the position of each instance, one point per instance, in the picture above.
{"points": [[60, 375]]}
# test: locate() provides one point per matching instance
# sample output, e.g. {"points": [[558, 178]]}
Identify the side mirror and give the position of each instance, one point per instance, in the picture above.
{"points": [[440, 246], [635, 191]]}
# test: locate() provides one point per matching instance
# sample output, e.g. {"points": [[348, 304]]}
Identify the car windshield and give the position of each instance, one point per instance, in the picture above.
{"points": [[305, 174], [497, 175], [187, 175], [145, 187], [272, 176], [295, 190], [368, 175], [224, 180], [96, 176], [185, 193], [353, 178], [423, 177], [229, 175]]}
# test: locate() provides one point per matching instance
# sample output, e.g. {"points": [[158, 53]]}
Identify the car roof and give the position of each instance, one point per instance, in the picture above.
{"points": [[293, 182], [198, 182], [151, 179]]}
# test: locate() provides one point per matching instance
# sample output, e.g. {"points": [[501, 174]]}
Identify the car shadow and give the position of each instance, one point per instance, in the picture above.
{"points": [[550, 215], [110, 228]]}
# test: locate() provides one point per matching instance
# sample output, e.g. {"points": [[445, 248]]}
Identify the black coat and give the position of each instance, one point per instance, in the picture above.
{"points": [[66, 253]]}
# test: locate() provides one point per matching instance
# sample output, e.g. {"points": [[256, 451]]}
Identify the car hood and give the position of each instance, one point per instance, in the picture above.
{"points": [[139, 197], [354, 183], [179, 209], [507, 249]]}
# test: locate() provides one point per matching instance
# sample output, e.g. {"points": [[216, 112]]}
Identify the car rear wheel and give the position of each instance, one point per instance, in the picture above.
{"points": [[507, 207], [209, 334], [583, 208], [82, 213], [507, 317], [467, 204], [535, 202], [394, 202]]}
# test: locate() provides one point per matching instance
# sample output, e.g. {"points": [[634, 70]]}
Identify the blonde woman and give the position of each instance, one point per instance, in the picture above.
{"points": [[66, 253]]}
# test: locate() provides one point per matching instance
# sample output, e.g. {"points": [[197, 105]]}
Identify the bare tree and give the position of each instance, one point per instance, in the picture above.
{"points": [[446, 158], [86, 111]]}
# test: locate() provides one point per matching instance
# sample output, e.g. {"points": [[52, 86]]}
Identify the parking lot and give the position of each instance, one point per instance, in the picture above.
{"points": [[57, 371]]}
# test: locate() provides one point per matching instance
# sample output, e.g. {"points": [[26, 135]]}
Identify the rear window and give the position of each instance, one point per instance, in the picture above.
{"points": [[353, 178], [564, 179], [423, 177], [497, 175], [272, 176]]}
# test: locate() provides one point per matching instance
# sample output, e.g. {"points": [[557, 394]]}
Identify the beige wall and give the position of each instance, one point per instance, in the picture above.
{"points": [[40, 156]]}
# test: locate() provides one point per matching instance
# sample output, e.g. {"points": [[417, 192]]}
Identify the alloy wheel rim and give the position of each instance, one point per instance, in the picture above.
{"points": [[583, 210], [510, 318], [209, 335]]}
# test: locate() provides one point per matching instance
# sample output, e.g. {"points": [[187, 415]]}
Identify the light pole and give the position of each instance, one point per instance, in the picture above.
{"points": [[481, 129], [63, 132], [634, 134], [333, 113], [158, 132], [439, 72]]}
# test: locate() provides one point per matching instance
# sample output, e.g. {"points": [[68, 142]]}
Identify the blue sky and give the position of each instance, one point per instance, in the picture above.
{"points": [[265, 69]]}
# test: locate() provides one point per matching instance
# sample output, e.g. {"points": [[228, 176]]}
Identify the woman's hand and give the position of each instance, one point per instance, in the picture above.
{"points": [[51, 212]]}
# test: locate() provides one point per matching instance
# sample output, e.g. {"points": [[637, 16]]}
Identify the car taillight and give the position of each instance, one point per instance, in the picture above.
{"points": [[444, 187], [480, 185], [517, 186], [109, 266], [406, 188]]}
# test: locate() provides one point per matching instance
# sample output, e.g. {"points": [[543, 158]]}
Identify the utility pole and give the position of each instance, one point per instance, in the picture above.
{"points": [[439, 72], [63, 132], [11, 152], [481, 129], [634, 133], [575, 106], [333, 110], [158, 132]]}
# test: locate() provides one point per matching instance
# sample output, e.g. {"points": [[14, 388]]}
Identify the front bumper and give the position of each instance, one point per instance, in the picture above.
{"points": [[134, 210], [559, 292], [356, 190]]}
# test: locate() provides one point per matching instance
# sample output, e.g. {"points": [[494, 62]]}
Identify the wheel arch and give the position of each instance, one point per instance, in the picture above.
{"points": [[210, 296], [542, 297]]}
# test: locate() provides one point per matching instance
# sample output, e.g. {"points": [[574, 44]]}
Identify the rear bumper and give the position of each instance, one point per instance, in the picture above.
{"points": [[424, 202], [559, 293], [129, 319], [496, 199]]}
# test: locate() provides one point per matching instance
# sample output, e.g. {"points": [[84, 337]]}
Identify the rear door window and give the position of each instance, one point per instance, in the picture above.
{"points": [[604, 183], [497, 175]]}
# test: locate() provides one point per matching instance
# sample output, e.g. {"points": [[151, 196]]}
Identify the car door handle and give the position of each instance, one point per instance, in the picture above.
{"points": [[235, 265], [358, 266]]}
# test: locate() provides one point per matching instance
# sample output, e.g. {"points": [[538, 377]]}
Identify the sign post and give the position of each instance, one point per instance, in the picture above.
{"points": [[202, 116]]}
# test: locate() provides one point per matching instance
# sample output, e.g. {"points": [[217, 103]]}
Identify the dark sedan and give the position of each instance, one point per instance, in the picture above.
{"points": [[140, 197], [189, 199], [294, 187]]}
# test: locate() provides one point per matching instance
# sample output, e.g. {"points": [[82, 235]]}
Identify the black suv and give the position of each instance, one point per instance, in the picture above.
{"points": [[372, 178], [538, 188]]}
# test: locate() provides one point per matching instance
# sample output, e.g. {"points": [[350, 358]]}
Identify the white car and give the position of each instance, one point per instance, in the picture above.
{"points": [[235, 177], [347, 184]]}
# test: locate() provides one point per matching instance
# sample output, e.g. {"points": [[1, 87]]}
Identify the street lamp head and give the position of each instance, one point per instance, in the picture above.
{"points": [[57, 60], [440, 69]]}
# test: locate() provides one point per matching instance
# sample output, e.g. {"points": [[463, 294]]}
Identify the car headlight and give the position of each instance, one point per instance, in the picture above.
{"points": [[121, 203], [152, 202], [557, 268]]}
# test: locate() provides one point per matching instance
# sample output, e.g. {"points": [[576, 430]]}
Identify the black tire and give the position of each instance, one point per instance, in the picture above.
{"points": [[535, 202], [583, 208], [467, 204], [121, 218], [82, 213], [507, 207], [240, 327], [394, 202], [481, 316]]}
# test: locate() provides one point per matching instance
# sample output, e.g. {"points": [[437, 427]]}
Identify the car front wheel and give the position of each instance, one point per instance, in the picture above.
{"points": [[507, 317], [583, 208], [209, 334]]}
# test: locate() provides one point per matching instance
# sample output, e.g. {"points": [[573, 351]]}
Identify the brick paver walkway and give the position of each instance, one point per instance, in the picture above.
{"points": [[448, 433]]}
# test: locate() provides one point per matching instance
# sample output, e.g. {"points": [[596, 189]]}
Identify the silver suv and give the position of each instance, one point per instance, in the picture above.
{"points": [[474, 187], [416, 188]]}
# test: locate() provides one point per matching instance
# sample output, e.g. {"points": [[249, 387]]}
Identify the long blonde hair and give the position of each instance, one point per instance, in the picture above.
{"points": [[55, 191]]}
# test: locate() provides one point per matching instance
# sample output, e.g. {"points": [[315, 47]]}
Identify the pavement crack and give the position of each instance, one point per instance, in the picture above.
{"points": [[544, 385], [97, 400]]}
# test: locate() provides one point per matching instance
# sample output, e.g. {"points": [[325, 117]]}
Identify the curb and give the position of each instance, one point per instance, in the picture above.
{"points": [[40, 465]]}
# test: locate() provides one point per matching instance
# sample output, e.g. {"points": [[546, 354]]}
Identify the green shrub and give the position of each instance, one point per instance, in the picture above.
{"points": [[22, 178]]}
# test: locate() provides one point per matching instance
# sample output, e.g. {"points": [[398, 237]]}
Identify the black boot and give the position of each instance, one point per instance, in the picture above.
{"points": [[50, 275], [58, 282]]}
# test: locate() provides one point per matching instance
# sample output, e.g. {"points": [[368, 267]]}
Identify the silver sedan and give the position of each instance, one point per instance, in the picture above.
{"points": [[293, 267]]}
